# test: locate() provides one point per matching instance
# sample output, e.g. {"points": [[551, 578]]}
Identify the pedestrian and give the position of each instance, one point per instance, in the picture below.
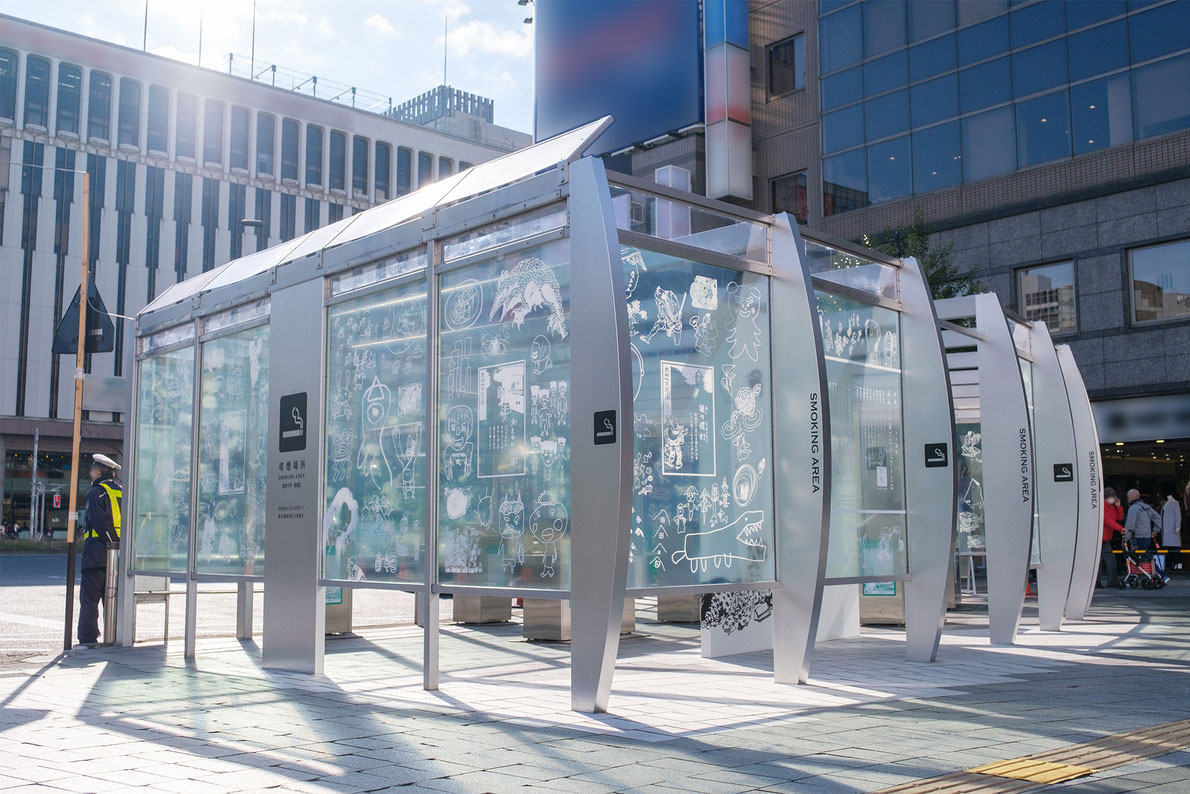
{"points": [[1113, 514], [101, 525], [1171, 531], [1142, 526]]}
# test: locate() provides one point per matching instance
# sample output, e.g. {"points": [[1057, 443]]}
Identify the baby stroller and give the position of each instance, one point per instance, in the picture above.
{"points": [[1141, 570]]}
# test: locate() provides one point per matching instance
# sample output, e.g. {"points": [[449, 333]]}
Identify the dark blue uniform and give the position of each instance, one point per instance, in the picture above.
{"points": [[101, 525]]}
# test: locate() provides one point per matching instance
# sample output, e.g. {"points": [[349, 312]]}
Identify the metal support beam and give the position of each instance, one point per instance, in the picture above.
{"points": [[1088, 471]]}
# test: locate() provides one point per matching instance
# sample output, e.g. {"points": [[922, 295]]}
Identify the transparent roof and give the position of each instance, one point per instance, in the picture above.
{"points": [[478, 179]]}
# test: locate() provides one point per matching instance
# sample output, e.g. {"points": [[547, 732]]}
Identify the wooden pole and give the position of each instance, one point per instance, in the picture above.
{"points": [[84, 305]]}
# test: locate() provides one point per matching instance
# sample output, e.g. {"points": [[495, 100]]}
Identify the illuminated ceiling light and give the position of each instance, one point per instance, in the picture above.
{"points": [[1119, 443], [933, 173], [1091, 141], [1161, 441], [1092, 107], [1043, 121]]}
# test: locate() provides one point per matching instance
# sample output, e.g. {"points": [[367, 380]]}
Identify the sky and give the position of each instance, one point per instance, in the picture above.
{"points": [[393, 48]]}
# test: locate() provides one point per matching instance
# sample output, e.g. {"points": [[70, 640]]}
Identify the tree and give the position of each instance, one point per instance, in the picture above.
{"points": [[945, 277]]}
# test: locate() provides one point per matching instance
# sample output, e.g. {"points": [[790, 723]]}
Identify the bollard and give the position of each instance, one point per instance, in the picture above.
{"points": [[111, 586]]}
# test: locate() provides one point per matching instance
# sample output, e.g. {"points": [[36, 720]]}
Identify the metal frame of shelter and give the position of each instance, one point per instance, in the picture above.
{"points": [[452, 394], [1088, 476], [1020, 484]]}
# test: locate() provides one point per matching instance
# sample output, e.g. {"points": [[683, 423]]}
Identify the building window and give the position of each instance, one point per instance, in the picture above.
{"points": [[446, 167], [187, 118], [1046, 293], [210, 221], [313, 157], [288, 217], [128, 117], [425, 168], [1160, 278], [334, 212], [183, 199], [1042, 129], [289, 149], [99, 108], [70, 88], [840, 39], [264, 214], [787, 66], [237, 205], [359, 165], [789, 195], [212, 132], [313, 213], [1159, 97], [338, 160], [266, 126], [8, 84], [464, 165], [844, 182], [1101, 112], [383, 169], [37, 92], [404, 171], [158, 128], [240, 119]]}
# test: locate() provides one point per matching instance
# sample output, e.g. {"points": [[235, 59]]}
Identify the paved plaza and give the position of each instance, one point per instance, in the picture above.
{"points": [[116, 719]]}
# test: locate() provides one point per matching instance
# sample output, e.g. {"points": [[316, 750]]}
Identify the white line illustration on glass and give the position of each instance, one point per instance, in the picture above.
{"points": [[463, 304], [460, 425], [642, 473], [669, 316], [743, 333], [638, 370], [500, 415], [458, 369], [457, 502], [338, 531], [746, 416], [376, 509], [891, 350], [641, 425], [341, 443], [529, 285], [550, 452], [404, 328], [687, 420], [539, 354], [548, 406], [377, 400], [409, 399], [408, 440], [706, 333], [704, 293], [549, 524], [494, 344], [746, 482], [742, 539], [512, 529], [461, 552], [233, 432], [635, 265], [341, 407]]}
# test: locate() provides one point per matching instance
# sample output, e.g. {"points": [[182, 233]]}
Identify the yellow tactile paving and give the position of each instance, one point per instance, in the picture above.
{"points": [[1033, 771]]}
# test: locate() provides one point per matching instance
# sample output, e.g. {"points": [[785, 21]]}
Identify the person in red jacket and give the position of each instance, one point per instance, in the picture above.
{"points": [[1113, 515]]}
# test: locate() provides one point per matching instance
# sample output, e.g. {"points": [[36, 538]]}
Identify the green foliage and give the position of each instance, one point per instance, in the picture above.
{"points": [[8, 546], [946, 278]]}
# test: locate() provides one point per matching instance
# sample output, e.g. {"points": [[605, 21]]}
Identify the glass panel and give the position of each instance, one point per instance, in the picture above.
{"points": [[790, 194], [1043, 129], [988, 144], [983, 85], [1161, 97], [935, 100], [887, 73], [862, 344], [233, 454], [970, 13], [1100, 49], [972, 535], [842, 88], [886, 115], [840, 39], [890, 170], [240, 314], [1037, 22], [937, 158], [504, 232], [787, 66], [1039, 68], [671, 219], [932, 57], [376, 272], [165, 410], [844, 182], [374, 523], [983, 41], [851, 270], [170, 336], [843, 129], [884, 25], [702, 508], [1159, 31], [504, 425], [1081, 14], [1161, 281], [929, 17], [1047, 294]]}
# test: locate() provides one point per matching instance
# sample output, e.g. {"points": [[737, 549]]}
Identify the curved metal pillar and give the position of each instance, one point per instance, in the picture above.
{"points": [[1057, 490], [1087, 471], [801, 448], [1007, 447], [601, 473], [930, 492]]}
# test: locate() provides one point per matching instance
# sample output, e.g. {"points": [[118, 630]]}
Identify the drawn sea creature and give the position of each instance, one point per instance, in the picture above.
{"points": [[529, 285], [742, 540]]}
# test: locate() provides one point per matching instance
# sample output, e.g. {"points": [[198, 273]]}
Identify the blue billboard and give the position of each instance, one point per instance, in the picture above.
{"points": [[639, 61]]}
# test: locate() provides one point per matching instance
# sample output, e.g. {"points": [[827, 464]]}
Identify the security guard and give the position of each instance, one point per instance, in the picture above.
{"points": [[101, 525]]}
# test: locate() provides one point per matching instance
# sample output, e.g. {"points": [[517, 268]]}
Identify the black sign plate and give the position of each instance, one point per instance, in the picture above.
{"points": [[937, 455], [605, 427], [1063, 472], [293, 422]]}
